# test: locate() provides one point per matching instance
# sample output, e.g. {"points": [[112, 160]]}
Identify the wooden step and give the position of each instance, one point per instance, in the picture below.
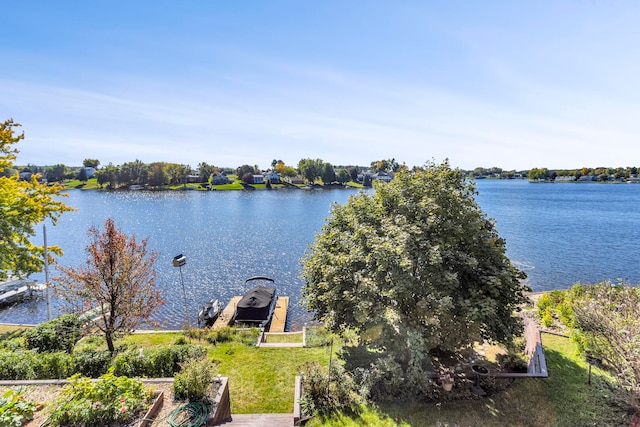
{"points": [[259, 420]]}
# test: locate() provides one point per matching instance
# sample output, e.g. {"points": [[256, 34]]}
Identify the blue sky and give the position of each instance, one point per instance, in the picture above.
{"points": [[509, 84]]}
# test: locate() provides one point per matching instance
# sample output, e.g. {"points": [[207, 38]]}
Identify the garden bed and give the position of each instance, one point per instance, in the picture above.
{"points": [[43, 394]]}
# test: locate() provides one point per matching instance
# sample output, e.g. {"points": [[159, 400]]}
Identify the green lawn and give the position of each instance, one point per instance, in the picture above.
{"points": [[295, 338], [90, 184], [261, 380], [563, 400]]}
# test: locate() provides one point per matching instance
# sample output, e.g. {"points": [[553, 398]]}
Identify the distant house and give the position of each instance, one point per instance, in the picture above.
{"points": [[89, 171], [193, 179], [273, 177], [258, 179], [361, 175], [295, 180], [220, 180], [588, 178], [567, 178], [382, 176], [25, 175]]}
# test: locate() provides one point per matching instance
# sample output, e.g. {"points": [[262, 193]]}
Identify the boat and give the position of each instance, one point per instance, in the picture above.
{"points": [[256, 307], [14, 289], [210, 312]]}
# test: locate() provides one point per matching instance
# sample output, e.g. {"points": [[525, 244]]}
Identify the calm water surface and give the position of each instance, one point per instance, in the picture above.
{"points": [[558, 233]]}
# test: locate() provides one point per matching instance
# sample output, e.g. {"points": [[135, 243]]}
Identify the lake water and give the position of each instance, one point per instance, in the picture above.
{"points": [[558, 233]]}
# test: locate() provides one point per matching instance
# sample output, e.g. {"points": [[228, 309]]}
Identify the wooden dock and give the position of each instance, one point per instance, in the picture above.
{"points": [[279, 320], [226, 317]]}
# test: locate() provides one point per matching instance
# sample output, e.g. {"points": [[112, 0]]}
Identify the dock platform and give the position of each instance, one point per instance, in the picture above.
{"points": [[226, 317], [279, 320]]}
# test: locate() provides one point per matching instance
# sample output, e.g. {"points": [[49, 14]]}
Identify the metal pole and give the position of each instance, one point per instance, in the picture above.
{"points": [[186, 309], [329, 374], [46, 271]]}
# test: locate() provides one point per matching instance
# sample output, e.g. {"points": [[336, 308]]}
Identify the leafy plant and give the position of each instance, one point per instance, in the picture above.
{"points": [[97, 403], [326, 392], [218, 336], [15, 409], [512, 362], [28, 364], [92, 363], [59, 334], [159, 362], [194, 379], [318, 336]]}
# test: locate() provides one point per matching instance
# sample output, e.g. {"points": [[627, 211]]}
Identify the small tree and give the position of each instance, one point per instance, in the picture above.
{"points": [[343, 176], [609, 319], [247, 178], [118, 278], [82, 175]]}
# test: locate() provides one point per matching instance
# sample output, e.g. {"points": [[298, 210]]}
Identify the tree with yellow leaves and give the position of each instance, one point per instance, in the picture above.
{"points": [[23, 205]]}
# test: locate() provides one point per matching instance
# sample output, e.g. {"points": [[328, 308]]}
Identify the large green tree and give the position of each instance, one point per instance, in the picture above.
{"points": [[327, 173], [311, 169], [417, 268], [23, 205]]}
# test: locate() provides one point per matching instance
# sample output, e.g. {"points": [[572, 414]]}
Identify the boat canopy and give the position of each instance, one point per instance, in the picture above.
{"points": [[255, 305]]}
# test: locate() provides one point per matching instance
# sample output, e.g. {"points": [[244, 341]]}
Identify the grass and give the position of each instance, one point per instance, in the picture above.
{"points": [[8, 332], [562, 400], [90, 184], [283, 338], [261, 380], [145, 340]]}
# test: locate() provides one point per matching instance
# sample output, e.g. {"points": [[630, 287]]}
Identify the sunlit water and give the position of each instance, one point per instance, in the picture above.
{"points": [[558, 233]]}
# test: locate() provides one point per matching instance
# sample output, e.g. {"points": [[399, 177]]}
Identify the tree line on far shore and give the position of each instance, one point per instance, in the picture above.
{"points": [[157, 174]]}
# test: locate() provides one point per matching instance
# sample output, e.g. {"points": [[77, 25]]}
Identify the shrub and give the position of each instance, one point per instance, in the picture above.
{"points": [[54, 365], [18, 365], [156, 363], [14, 409], [13, 344], [327, 393], [194, 380], [512, 362], [219, 336], [111, 399], [547, 320], [91, 363], [60, 334], [318, 336], [30, 365], [248, 337]]}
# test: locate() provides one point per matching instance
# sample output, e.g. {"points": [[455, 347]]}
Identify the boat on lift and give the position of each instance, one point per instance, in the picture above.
{"points": [[210, 312], [257, 305]]}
